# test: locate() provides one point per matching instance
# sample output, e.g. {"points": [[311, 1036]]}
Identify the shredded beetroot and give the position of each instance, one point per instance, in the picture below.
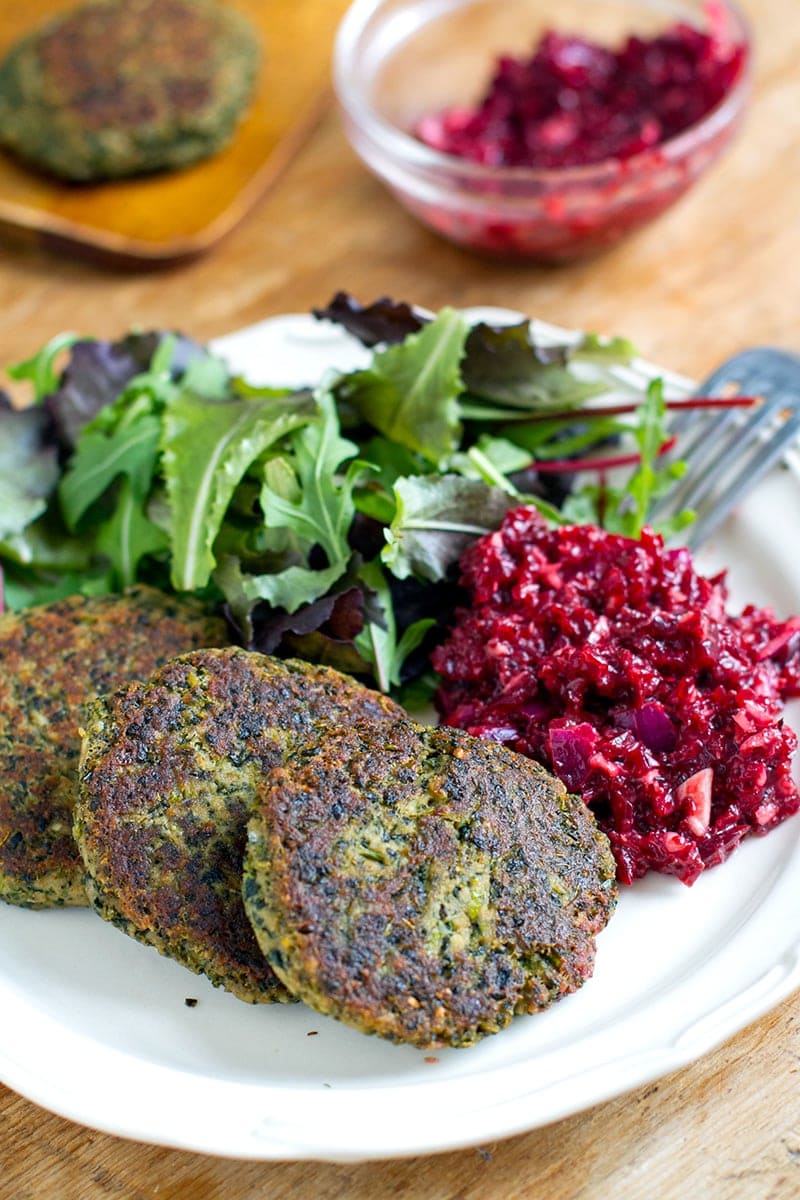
{"points": [[616, 665], [576, 102]]}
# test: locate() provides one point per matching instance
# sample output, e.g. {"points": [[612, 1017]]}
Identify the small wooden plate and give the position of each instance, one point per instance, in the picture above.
{"points": [[165, 218]]}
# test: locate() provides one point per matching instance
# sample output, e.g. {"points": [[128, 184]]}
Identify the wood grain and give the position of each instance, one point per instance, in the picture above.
{"points": [[717, 273], [175, 215]]}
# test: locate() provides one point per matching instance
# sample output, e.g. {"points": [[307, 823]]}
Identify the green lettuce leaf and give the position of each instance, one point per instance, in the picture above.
{"points": [[294, 586], [437, 517], [206, 447], [505, 366], [21, 589], [28, 468], [46, 545], [410, 392]]}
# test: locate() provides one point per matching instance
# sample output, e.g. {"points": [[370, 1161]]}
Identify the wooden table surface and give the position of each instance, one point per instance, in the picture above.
{"points": [[720, 271]]}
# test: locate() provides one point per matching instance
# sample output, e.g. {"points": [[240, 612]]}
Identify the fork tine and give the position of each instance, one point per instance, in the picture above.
{"points": [[752, 470], [727, 455], [716, 457], [761, 371], [709, 433], [684, 424]]}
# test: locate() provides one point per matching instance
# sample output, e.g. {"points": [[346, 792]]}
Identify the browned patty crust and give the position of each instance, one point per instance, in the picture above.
{"points": [[169, 770], [54, 658], [425, 886]]}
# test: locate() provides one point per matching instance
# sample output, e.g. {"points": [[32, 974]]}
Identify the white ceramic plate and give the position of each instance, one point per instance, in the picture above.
{"points": [[95, 1026]]}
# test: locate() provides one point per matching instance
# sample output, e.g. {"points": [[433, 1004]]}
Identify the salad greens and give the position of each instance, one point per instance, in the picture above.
{"points": [[327, 521], [28, 469]]}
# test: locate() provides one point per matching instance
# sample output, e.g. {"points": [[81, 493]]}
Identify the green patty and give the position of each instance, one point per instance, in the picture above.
{"points": [[120, 87], [52, 660], [168, 774], [424, 885]]}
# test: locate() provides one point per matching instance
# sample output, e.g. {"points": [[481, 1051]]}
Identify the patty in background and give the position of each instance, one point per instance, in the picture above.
{"points": [[123, 87]]}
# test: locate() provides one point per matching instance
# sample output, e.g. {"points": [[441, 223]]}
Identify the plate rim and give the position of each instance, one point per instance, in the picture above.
{"points": [[269, 1139]]}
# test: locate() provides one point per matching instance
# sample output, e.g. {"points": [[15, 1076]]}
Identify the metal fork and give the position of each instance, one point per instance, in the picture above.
{"points": [[728, 450]]}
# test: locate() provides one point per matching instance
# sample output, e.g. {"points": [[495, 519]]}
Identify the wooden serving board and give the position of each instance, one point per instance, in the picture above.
{"points": [[164, 218]]}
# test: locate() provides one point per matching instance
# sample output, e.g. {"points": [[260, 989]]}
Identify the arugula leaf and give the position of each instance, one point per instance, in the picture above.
{"points": [[315, 503], [377, 642], [625, 508], [40, 368], [122, 438], [97, 372], [28, 468], [323, 508], [649, 435], [131, 450], [129, 535], [220, 439], [410, 393], [437, 517]]}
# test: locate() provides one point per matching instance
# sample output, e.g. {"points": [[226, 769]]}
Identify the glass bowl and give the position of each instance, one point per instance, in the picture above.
{"points": [[396, 61]]}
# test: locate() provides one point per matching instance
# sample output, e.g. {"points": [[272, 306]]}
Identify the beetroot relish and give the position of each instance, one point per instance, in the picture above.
{"points": [[576, 102], [616, 665]]}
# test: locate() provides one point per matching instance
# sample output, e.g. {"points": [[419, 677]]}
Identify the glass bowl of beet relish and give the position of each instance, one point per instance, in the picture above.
{"points": [[533, 130]]}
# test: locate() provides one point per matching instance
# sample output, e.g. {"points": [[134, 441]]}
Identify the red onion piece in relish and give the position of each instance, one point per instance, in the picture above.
{"points": [[576, 102], [615, 664]]}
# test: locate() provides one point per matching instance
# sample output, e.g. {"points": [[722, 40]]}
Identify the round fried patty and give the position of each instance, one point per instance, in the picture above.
{"points": [[168, 775], [52, 660], [424, 885], [118, 87]]}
